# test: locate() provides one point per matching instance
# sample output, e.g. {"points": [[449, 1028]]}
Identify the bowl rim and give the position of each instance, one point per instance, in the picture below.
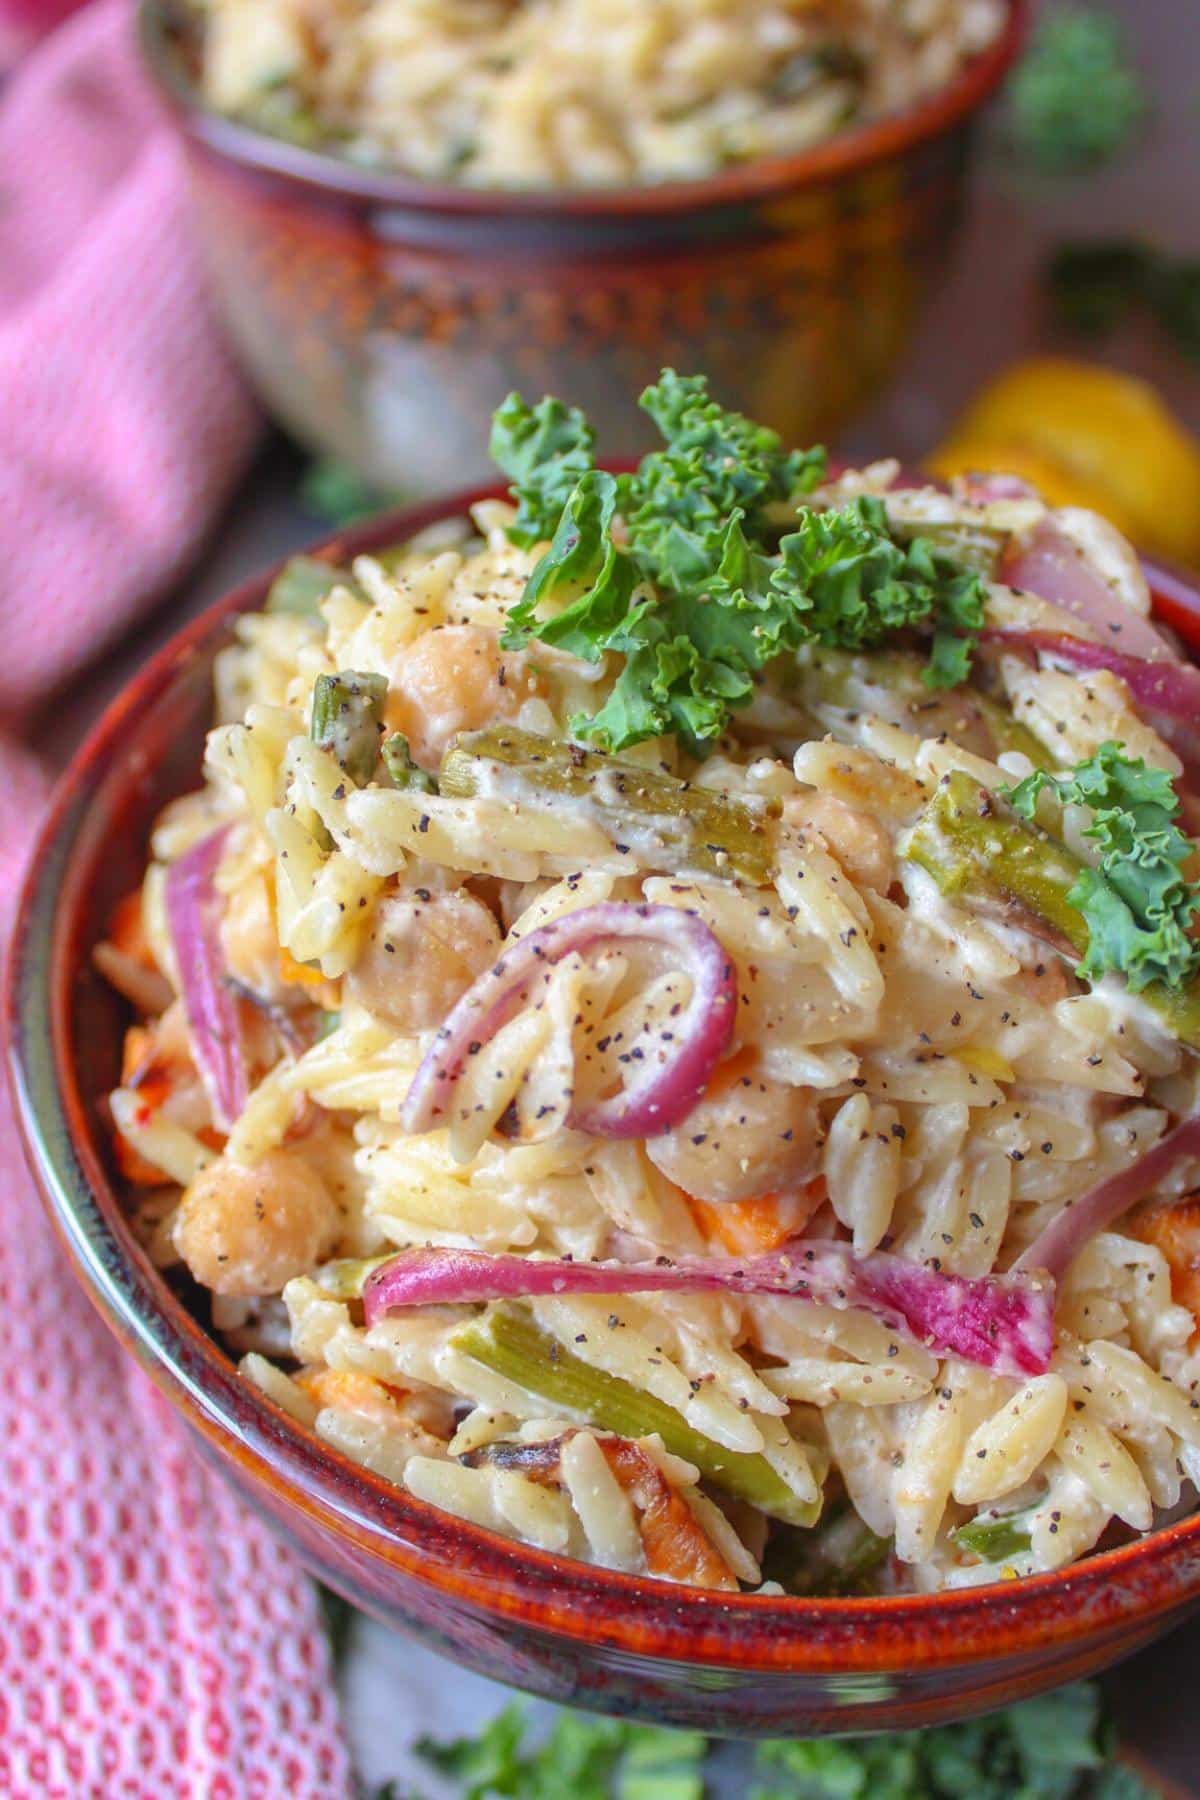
{"points": [[765, 178], [786, 1635]]}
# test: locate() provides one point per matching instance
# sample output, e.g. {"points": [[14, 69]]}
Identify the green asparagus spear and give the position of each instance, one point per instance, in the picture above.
{"points": [[668, 823], [303, 583], [1008, 733], [996, 1539], [980, 852], [862, 1559], [841, 1556], [508, 1340], [347, 719], [397, 760], [889, 684]]}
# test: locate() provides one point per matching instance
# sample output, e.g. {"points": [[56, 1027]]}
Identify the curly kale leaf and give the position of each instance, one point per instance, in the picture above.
{"points": [[715, 463], [1077, 101], [581, 552], [543, 449], [680, 568], [1137, 902], [857, 587]]}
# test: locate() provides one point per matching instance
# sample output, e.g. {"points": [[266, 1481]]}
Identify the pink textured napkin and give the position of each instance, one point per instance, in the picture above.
{"points": [[155, 1641], [122, 422]]}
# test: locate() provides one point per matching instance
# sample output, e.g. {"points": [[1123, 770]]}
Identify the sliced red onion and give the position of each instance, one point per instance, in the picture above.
{"points": [[1047, 563], [194, 921], [1165, 693], [1055, 1249], [1002, 1322], [666, 1074]]}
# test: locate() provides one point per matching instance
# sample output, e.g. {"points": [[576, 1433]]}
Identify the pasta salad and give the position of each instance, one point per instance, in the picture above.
{"points": [[569, 93], [668, 1029]]}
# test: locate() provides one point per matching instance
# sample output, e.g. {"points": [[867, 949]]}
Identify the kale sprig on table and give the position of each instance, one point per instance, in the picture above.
{"points": [[1057, 1747], [705, 563], [1077, 100]]}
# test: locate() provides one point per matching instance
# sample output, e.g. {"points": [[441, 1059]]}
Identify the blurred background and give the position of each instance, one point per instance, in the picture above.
{"points": [[1062, 225]]}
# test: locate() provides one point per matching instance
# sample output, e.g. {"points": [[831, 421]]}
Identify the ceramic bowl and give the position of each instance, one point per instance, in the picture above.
{"points": [[737, 1664], [382, 318]]}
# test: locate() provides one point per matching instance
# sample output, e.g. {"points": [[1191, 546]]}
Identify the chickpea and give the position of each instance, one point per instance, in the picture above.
{"points": [[423, 952], [247, 1231], [748, 1135], [857, 840], [454, 678]]}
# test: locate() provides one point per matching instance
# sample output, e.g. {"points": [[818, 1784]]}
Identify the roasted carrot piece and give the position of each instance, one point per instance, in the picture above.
{"points": [[677, 1549], [1174, 1228], [747, 1227], [347, 1387], [152, 1080], [298, 974]]}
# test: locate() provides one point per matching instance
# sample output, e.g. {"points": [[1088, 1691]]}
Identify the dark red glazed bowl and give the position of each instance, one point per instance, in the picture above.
{"points": [[383, 318], [735, 1664]]}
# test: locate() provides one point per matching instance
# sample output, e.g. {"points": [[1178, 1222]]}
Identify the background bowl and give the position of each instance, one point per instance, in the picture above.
{"points": [[730, 1663], [382, 318]]}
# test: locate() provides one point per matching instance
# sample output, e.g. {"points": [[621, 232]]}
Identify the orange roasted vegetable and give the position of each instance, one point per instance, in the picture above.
{"points": [[749, 1227], [676, 1546], [1173, 1227]]}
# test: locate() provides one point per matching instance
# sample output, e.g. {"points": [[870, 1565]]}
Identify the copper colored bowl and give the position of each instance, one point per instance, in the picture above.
{"points": [[737, 1664], [382, 318]]}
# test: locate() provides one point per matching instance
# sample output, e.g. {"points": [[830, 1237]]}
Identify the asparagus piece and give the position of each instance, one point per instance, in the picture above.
{"points": [[841, 1557], [888, 683], [995, 1539], [1009, 733], [508, 1340], [347, 719], [862, 1559], [978, 851], [303, 583], [669, 823], [397, 760]]}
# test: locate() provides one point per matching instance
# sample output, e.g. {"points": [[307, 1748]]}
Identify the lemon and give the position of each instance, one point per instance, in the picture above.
{"points": [[1087, 436]]}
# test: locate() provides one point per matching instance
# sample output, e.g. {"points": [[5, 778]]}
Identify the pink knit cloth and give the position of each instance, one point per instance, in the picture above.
{"points": [[155, 1641]]}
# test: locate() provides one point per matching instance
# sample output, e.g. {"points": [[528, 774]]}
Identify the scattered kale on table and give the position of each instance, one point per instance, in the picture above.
{"points": [[1056, 1747]]}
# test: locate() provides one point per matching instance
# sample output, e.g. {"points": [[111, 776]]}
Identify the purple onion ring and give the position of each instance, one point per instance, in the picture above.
{"points": [[662, 1085]]}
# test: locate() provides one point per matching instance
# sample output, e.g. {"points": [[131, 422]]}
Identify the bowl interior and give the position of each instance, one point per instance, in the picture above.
{"points": [[65, 1026]]}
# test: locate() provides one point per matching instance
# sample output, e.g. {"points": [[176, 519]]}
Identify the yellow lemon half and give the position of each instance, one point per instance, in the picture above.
{"points": [[1087, 436]]}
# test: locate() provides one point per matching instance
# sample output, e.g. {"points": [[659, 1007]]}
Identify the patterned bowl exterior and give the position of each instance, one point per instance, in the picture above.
{"points": [[735, 1664], [382, 319]]}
